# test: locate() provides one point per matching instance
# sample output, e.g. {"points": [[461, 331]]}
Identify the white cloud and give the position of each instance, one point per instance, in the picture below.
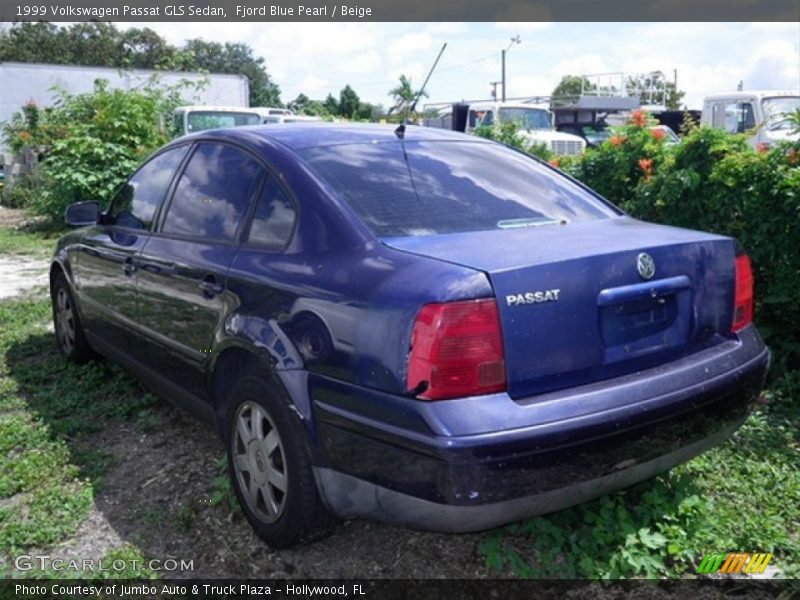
{"points": [[317, 58], [313, 84], [410, 43], [446, 27], [415, 71], [522, 26]]}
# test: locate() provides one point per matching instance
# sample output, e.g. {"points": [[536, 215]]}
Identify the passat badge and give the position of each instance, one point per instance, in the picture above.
{"points": [[532, 297], [645, 265]]}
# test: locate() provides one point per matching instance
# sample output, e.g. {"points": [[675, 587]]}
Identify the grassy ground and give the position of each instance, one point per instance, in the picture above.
{"points": [[34, 244], [49, 468], [742, 496]]}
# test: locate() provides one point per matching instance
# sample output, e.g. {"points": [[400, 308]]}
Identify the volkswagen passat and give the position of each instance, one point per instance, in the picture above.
{"points": [[410, 325]]}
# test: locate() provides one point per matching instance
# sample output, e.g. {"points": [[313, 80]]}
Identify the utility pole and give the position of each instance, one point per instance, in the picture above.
{"points": [[514, 40]]}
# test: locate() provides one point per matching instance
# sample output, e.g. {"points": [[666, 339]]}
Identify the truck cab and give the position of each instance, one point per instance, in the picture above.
{"points": [[764, 115], [191, 119], [535, 123]]}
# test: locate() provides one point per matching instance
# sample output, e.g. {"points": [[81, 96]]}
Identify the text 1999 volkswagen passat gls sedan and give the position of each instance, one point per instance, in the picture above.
{"points": [[409, 325]]}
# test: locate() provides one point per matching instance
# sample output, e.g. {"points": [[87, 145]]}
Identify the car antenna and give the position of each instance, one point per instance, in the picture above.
{"points": [[400, 132]]}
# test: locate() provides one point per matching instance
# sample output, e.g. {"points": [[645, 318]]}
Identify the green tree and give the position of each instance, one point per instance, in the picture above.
{"points": [[404, 96], [234, 58], [145, 49], [316, 108], [654, 89], [331, 105], [569, 89], [103, 44], [33, 42], [91, 44], [348, 102], [95, 141], [299, 104]]}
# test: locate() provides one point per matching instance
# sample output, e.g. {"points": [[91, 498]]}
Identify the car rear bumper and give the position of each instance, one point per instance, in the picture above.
{"points": [[416, 468]]}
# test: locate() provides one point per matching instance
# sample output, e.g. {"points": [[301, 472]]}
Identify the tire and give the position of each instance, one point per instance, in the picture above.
{"points": [[72, 342], [270, 468]]}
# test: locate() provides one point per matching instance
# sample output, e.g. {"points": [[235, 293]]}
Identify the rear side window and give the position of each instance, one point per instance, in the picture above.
{"points": [[273, 220], [213, 193], [450, 187], [137, 201]]}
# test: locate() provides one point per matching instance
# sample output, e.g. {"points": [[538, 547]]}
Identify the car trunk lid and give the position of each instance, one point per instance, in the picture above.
{"points": [[574, 306]]}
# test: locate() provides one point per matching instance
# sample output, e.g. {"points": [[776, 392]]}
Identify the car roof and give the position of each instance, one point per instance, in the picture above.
{"points": [[298, 136]]}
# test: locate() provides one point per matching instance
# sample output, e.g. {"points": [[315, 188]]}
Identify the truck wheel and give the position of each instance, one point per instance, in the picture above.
{"points": [[270, 467]]}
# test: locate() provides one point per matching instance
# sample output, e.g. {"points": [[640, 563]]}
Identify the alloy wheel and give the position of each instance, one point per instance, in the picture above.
{"points": [[259, 462], [65, 321]]}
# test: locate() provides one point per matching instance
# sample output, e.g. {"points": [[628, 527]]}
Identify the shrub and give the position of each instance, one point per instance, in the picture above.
{"points": [[618, 167], [511, 135], [91, 143], [714, 181]]}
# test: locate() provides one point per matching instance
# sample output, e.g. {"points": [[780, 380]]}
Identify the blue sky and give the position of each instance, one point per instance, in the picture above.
{"points": [[317, 58]]}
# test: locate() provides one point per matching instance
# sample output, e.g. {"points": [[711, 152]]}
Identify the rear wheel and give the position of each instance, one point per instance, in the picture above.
{"points": [[67, 324], [270, 467]]}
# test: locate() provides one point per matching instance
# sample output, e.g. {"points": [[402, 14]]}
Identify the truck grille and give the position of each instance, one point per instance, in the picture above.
{"points": [[570, 147]]}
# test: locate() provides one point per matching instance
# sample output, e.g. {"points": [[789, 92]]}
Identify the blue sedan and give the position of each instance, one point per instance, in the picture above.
{"points": [[408, 324]]}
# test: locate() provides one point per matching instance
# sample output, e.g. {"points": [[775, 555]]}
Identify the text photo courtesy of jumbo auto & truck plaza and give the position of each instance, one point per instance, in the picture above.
{"points": [[399, 299]]}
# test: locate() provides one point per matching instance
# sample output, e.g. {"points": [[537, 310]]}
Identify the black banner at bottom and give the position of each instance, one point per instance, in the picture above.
{"points": [[391, 589]]}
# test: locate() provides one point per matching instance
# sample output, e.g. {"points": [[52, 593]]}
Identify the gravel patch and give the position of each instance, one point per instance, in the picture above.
{"points": [[20, 274]]}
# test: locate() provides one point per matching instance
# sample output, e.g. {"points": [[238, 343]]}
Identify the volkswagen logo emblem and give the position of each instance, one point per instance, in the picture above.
{"points": [[645, 265]]}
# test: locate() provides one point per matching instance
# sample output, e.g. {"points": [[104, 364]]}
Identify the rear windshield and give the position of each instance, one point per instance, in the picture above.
{"points": [[424, 188]]}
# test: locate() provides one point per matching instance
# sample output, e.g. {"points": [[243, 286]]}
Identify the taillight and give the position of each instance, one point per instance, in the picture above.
{"points": [[457, 350], [743, 305]]}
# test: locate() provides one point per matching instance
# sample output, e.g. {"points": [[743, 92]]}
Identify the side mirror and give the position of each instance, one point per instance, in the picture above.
{"points": [[80, 214]]}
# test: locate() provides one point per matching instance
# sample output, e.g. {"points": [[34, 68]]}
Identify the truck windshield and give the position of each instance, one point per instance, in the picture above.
{"points": [[527, 118], [424, 187], [200, 121], [777, 111]]}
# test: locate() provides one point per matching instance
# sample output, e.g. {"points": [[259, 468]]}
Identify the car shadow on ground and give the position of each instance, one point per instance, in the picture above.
{"points": [[159, 485]]}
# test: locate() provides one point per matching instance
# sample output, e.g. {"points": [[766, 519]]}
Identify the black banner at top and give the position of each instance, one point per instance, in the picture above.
{"points": [[400, 10]]}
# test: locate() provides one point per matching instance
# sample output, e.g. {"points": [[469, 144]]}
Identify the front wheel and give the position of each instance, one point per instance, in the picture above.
{"points": [[71, 339], [270, 467]]}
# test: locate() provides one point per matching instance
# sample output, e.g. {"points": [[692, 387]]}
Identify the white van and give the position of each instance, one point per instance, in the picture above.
{"points": [[535, 123], [762, 114]]}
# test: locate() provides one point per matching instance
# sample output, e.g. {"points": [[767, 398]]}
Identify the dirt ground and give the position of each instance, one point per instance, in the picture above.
{"points": [[156, 495]]}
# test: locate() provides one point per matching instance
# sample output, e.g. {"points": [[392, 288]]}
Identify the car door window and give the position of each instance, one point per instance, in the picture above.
{"points": [[137, 201], [213, 193], [273, 220]]}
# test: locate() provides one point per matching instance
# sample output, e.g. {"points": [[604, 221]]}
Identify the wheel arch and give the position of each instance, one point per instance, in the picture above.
{"points": [[237, 359]]}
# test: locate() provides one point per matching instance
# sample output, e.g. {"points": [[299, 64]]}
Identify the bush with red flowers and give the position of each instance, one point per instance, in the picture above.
{"points": [[715, 181]]}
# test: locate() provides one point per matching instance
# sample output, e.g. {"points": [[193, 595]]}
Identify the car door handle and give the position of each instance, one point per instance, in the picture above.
{"points": [[210, 287], [129, 266]]}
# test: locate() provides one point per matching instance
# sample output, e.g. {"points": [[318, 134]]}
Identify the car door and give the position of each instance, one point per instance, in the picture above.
{"points": [[266, 278], [104, 272], [182, 268]]}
